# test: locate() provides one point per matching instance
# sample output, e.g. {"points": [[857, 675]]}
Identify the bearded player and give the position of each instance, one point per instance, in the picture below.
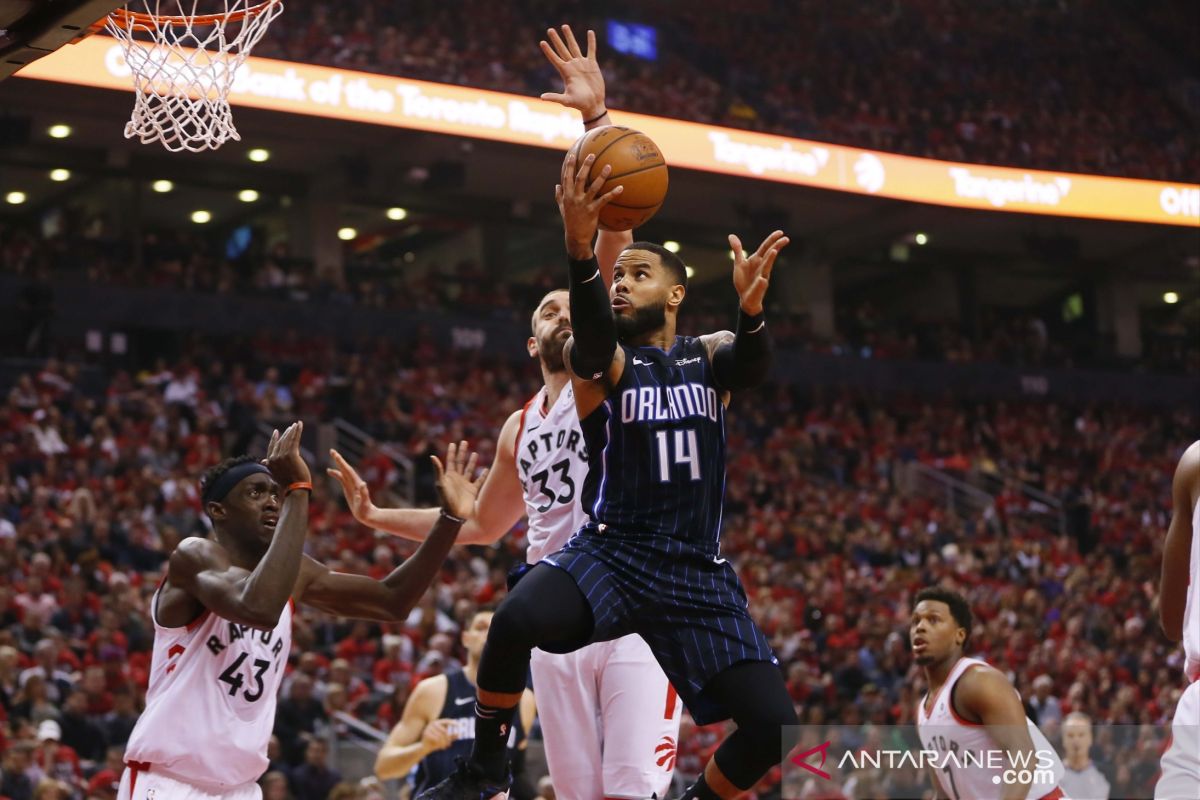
{"points": [[610, 717], [651, 407], [223, 620], [972, 708], [1179, 613]]}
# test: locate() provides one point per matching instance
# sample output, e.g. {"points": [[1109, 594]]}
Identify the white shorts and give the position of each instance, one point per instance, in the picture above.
{"points": [[610, 720], [1180, 778], [151, 785]]}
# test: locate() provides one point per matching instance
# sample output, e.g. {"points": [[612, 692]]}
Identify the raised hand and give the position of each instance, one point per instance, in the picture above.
{"points": [[583, 82], [580, 203], [454, 483], [358, 496], [752, 274], [283, 456]]}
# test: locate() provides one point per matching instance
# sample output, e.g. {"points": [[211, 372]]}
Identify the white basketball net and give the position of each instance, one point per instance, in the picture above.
{"points": [[184, 60]]}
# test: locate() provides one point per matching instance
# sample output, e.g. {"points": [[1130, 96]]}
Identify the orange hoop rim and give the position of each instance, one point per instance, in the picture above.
{"points": [[151, 21]]}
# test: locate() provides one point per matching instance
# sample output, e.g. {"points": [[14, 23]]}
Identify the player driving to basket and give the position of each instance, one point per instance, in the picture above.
{"points": [[609, 715], [651, 407]]}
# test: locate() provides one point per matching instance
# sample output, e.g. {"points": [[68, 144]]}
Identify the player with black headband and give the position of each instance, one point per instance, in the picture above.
{"points": [[223, 619]]}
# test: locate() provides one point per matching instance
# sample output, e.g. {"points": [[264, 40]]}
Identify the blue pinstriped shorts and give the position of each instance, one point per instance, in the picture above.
{"points": [[689, 607]]}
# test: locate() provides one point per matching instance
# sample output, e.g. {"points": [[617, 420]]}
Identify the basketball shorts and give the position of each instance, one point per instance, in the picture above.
{"points": [[152, 784], [1181, 763], [611, 720], [689, 607]]}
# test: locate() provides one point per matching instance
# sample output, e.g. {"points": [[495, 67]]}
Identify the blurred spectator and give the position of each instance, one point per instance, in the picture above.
{"points": [[313, 780]]}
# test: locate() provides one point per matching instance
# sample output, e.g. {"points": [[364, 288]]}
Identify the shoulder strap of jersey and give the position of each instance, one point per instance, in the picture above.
{"points": [[521, 424]]}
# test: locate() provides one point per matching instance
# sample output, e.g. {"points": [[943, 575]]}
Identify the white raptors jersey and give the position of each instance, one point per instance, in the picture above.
{"points": [[210, 707], [969, 764], [1191, 614], [552, 464]]}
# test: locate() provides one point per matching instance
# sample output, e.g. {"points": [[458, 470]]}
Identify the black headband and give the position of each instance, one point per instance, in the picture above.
{"points": [[216, 491]]}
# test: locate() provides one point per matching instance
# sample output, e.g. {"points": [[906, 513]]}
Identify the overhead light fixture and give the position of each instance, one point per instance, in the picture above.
{"points": [[671, 245], [60, 175], [247, 195], [921, 238], [59, 131], [691, 273], [397, 213], [15, 198], [162, 187], [1171, 298], [201, 216], [347, 234], [259, 155]]}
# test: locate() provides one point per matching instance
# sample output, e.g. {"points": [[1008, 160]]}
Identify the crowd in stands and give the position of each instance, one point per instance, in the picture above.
{"points": [[98, 485], [865, 330], [1087, 86]]}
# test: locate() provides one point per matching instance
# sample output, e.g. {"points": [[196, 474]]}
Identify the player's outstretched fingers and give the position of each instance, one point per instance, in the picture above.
{"points": [[607, 197], [556, 41], [735, 244], [572, 45], [591, 41], [472, 462], [437, 466], [584, 169], [598, 183], [772, 254]]}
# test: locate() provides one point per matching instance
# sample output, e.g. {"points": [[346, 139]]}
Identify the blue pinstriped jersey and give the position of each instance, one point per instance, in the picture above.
{"points": [[656, 448]]}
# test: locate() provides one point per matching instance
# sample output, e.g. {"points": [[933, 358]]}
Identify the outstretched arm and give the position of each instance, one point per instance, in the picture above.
{"points": [[202, 568], [743, 359], [583, 90], [393, 597], [595, 338], [497, 508], [1177, 550]]}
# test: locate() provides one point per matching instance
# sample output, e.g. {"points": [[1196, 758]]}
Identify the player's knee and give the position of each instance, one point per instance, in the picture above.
{"points": [[512, 625]]}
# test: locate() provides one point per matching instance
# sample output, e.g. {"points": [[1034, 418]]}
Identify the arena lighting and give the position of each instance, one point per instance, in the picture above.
{"points": [[1171, 298], [671, 245], [921, 238], [60, 175], [247, 195], [162, 187], [397, 213], [691, 273], [59, 131], [201, 216], [258, 155], [347, 234], [14, 198]]}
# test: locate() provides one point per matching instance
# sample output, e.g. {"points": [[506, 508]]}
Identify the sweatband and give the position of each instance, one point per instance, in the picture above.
{"points": [[216, 491]]}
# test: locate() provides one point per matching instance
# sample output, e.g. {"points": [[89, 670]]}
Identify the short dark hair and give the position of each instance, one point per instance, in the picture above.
{"points": [[960, 609], [214, 472], [672, 262]]}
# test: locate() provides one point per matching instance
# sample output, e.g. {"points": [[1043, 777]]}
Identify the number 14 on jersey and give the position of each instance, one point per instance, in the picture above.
{"points": [[677, 448]]}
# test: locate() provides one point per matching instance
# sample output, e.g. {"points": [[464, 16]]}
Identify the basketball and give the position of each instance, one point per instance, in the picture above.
{"points": [[637, 164]]}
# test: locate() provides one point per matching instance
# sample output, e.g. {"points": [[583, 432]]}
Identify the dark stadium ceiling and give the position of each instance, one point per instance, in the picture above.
{"points": [[491, 183]]}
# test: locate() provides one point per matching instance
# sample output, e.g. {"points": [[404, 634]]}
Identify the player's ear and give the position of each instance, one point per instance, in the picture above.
{"points": [[676, 295], [531, 346], [214, 510]]}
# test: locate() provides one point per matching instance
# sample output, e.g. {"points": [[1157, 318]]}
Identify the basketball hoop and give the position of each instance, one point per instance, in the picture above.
{"points": [[184, 65]]}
